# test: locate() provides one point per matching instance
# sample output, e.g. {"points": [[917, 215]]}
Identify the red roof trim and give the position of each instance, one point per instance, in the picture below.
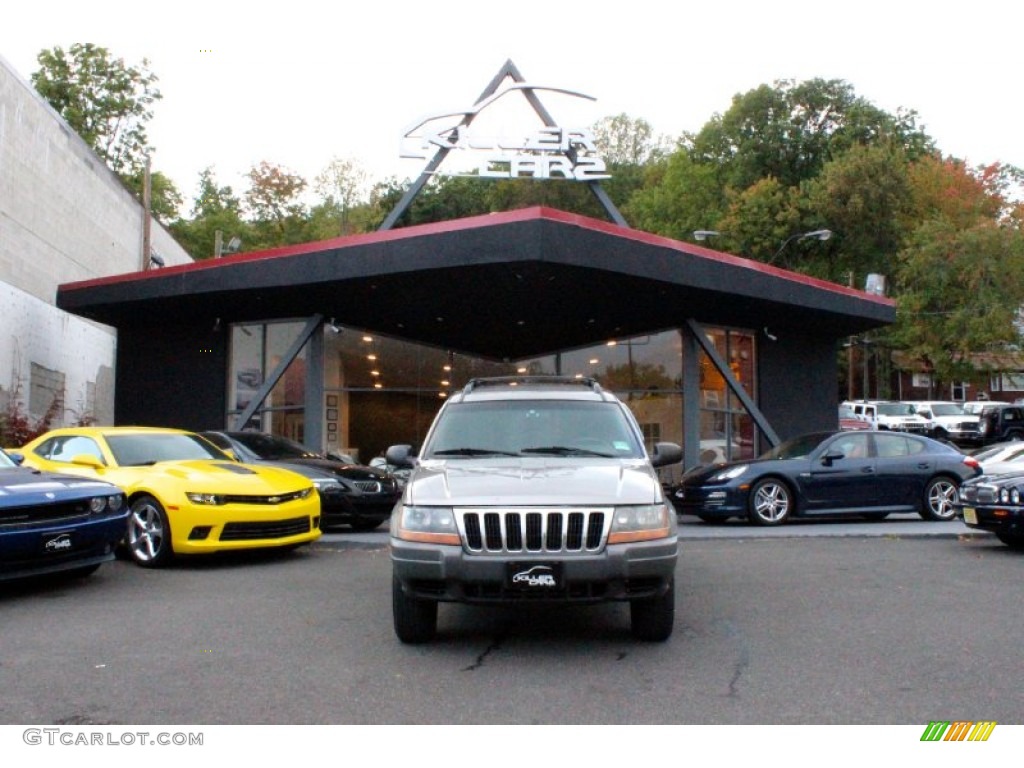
{"points": [[478, 222]]}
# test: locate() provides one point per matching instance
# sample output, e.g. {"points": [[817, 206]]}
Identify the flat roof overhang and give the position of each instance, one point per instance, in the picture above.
{"points": [[503, 286]]}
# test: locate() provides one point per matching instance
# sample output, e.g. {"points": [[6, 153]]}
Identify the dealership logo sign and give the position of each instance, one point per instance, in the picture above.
{"points": [[960, 730], [550, 152]]}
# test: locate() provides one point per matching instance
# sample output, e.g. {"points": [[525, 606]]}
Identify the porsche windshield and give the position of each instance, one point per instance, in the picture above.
{"points": [[797, 448]]}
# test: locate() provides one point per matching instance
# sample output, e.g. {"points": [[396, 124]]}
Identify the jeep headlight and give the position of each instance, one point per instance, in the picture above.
{"points": [[433, 525], [641, 523]]}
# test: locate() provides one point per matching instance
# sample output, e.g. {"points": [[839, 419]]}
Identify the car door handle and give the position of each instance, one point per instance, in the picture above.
{"points": [[867, 470], [923, 465]]}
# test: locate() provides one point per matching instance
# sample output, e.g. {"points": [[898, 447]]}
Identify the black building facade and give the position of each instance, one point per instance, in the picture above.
{"points": [[351, 344]]}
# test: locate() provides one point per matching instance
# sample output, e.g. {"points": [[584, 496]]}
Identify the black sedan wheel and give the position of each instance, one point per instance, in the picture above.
{"points": [[771, 502], [1012, 540], [149, 534], [940, 497]]}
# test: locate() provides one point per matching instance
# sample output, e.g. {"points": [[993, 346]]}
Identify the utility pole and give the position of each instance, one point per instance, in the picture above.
{"points": [[147, 247]]}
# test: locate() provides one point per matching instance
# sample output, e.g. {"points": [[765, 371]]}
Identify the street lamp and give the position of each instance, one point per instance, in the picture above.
{"points": [[704, 234], [819, 234]]}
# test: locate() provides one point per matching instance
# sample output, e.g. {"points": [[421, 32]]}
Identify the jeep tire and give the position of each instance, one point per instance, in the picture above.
{"points": [[652, 619], [415, 619]]}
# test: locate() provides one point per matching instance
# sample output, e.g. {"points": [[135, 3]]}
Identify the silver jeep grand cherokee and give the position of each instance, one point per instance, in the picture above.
{"points": [[533, 489]]}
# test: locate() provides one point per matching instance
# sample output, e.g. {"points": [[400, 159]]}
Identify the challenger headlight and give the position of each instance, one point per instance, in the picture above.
{"points": [[100, 504], [641, 523], [206, 499], [728, 473], [434, 525]]}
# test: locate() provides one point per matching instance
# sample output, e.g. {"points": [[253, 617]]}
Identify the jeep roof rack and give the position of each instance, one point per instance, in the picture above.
{"points": [[547, 380]]}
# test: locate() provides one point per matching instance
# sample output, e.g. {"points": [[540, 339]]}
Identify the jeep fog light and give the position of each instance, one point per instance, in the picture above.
{"points": [[640, 523], [434, 525]]}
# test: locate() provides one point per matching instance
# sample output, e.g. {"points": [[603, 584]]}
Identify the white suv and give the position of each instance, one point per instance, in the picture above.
{"points": [[949, 420], [891, 414], [528, 490]]}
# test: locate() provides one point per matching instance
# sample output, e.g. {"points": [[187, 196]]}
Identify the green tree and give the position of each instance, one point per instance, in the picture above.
{"points": [[105, 101], [275, 207], [216, 208], [960, 290], [342, 186], [789, 130]]}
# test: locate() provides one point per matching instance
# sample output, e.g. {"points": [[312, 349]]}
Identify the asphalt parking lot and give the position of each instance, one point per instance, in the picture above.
{"points": [[876, 628]]}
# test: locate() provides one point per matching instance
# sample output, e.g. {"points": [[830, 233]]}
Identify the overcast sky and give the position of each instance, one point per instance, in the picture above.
{"points": [[297, 83]]}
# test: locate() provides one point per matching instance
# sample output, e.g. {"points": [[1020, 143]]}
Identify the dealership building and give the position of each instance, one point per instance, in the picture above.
{"points": [[351, 344]]}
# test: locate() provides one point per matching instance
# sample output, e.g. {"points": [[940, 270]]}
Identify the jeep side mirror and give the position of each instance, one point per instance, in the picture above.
{"points": [[400, 456], [665, 454]]}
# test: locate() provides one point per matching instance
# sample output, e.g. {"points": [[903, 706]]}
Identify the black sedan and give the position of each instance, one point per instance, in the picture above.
{"points": [[868, 473], [995, 503], [51, 523], [362, 497]]}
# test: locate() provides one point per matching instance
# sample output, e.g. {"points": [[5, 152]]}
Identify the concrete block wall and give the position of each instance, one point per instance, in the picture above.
{"points": [[64, 216]]}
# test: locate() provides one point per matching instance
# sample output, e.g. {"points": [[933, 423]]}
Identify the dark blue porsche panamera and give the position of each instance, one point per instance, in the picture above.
{"points": [[869, 474], [52, 523]]}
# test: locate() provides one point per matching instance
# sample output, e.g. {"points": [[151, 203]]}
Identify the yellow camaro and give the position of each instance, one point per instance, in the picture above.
{"points": [[185, 495]]}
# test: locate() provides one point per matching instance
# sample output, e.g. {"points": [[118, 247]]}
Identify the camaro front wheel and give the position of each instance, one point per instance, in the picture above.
{"points": [[149, 534], [940, 497], [771, 502]]}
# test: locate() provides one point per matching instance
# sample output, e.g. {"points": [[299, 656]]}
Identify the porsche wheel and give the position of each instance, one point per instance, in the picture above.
{"points": [[771, 502], [149, 534], [940, 498]]}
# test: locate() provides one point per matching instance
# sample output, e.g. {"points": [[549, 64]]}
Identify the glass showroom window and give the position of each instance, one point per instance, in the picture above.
{"points": [[256, 351], [726, 429]]}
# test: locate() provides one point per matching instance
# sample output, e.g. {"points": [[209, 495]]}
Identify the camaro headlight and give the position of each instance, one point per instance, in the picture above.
{"points": [[98, 504], [640, 523], [728, 473], [435, 525], [206, 499]]}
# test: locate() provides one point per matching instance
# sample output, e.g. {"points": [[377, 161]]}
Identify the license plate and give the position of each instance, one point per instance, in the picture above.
{"points": [[970, 515], [534, 577], [56, 543]]}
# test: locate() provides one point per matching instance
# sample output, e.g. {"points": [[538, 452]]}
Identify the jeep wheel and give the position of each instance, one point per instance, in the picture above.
{"points": [[415, 620], [1012, 540], [940, 497], [652, 619], [771, 502]]}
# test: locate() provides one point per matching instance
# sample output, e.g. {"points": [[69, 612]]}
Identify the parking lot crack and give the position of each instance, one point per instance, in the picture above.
{"points": [[737, 673], [495, 646]]}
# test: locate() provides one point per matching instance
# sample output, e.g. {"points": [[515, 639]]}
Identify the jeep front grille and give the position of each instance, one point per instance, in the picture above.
{"points": [[556, 530]]}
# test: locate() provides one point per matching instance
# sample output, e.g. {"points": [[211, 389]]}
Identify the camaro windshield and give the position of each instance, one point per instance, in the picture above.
{"points": [[142, 449], [533, 428]]}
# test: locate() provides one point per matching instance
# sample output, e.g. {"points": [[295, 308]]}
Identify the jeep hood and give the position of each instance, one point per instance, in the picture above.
{"points": [[533, 481]]}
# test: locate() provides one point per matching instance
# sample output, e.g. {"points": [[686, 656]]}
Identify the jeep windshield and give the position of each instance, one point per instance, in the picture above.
{"points": [[532, 427]]}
